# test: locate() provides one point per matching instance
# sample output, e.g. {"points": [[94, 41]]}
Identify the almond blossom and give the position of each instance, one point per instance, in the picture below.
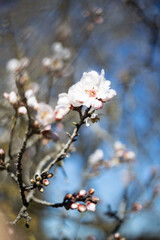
{"points": [[59, 50], [57, 60], [91, 91], [96, 157], [45, 114]]}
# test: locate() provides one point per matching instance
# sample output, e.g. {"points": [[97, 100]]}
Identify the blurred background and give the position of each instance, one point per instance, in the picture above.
{"points": [[121, 37]]}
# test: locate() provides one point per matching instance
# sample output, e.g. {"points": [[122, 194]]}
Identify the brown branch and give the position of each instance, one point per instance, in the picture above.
{"points": [[11, 135], [62, 154], [55, 205]]}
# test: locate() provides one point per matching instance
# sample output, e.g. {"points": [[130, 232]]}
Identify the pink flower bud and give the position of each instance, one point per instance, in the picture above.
{"points": [[136, 207], [46, 182], [74, 206], [82, 193], [68, 196], [91, 191], [95, 199], [13, 98], [22, 110], [49, 134], [6, 95], [2, 154], [117, 235], [91, 206], [82, 208]]}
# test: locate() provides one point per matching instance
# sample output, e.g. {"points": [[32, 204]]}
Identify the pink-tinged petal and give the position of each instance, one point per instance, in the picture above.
{"points": [[111, 93], [60, 112]]}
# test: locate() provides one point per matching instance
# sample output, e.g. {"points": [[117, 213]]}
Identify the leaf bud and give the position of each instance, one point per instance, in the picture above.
{"points": [[38, 178], [32, 181], [38, 183]]}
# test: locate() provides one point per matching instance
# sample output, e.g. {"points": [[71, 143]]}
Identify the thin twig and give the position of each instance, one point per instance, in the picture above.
{"points": [[11, 135]]}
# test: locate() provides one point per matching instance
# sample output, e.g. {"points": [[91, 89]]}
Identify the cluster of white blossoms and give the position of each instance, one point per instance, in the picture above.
{"points": [[91, 91], [57, 60], [45, 113], [122, 153]]}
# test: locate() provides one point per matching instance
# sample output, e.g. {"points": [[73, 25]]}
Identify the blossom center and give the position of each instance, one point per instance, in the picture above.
{"points": [[44, 115], [91, 92]]}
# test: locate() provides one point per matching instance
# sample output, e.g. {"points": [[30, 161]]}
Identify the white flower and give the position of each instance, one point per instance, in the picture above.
{"points": [[63, 106], [60, 51], [95, 157], [57, 63], [46, 62], [129, 156], [31, 99], [11, 97], [119, 146], [22, 110], [45, 114], [13, 65], [29, 93], [92, 90]]}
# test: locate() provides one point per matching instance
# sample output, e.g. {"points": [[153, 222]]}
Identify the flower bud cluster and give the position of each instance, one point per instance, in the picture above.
{"points": [[14, 101], [56, 62], [136, 207], [82, 201], [94, 16], [122, 153], [41, 180]]}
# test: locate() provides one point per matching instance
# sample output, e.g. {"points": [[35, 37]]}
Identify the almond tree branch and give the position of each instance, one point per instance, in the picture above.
{"points": [[62, 154], [11, 135]]}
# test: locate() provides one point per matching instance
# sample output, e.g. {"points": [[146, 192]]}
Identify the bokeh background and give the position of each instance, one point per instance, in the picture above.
{"points": [[121, 37]]}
